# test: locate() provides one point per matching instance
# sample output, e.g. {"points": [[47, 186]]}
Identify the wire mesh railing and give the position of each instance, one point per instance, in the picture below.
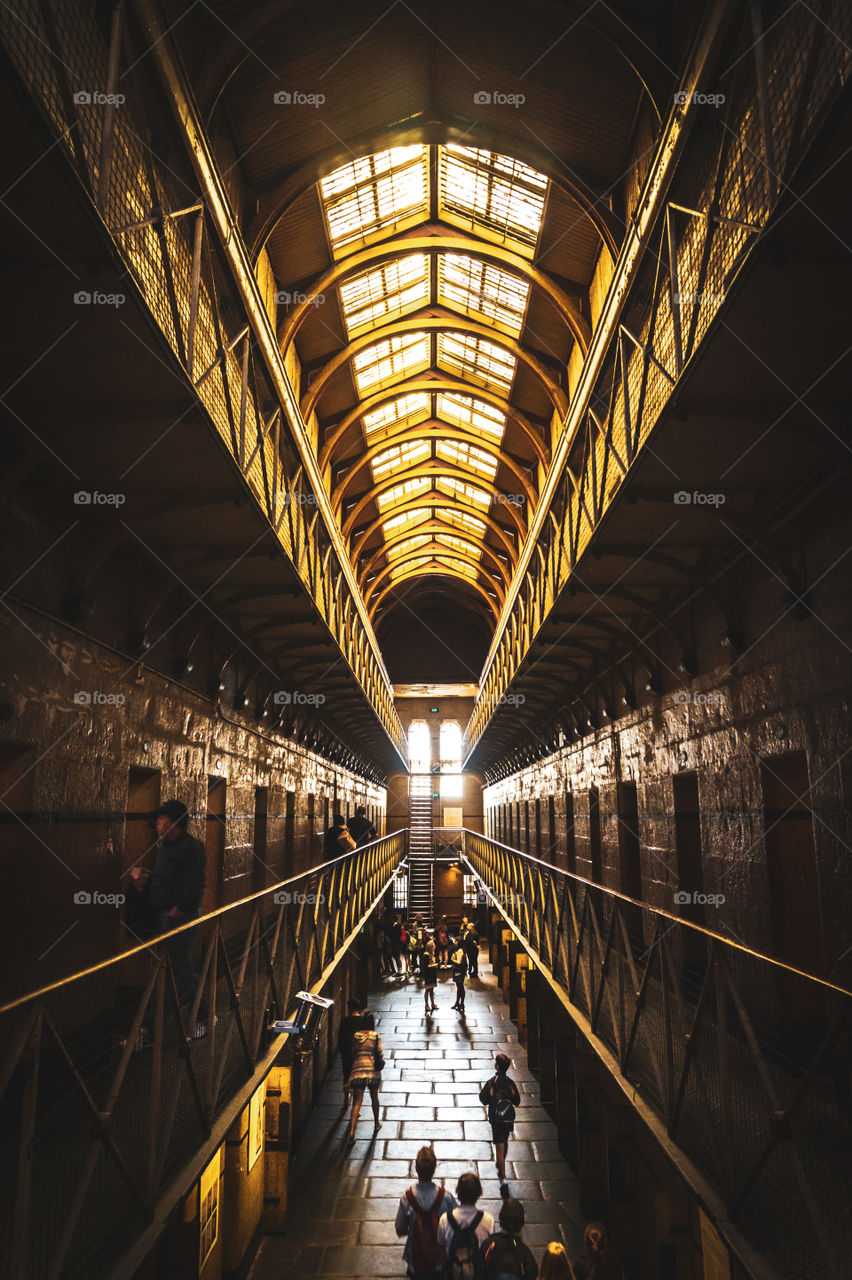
{"points": [[746, 1062], [112, 1079]]}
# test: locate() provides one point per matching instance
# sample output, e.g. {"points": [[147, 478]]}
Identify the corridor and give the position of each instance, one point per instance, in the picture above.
{"points": [[343, 1202]]}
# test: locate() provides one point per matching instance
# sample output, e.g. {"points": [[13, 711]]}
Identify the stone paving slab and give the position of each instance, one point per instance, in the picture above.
{"points": [[343, 1200]]}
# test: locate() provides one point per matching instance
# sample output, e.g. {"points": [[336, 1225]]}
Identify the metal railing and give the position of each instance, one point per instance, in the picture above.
{"points": [[178, 251], [111, 1080], [689, 240], [745, 1063]]}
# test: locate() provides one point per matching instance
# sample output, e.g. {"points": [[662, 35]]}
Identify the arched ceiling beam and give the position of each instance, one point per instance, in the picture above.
{"points": [[425, 502], [440, 570], [434, 238], [445, 322], [435, 384], [433, 525], [589, 191], [437, 553], [434, 469], [434, 431]]}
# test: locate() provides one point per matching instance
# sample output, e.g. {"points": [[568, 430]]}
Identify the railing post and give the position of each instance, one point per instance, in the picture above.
{"points": [[156, 1082], [30, 1061]]}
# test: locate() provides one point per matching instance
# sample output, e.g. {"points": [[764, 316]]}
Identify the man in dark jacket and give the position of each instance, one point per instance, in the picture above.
{"points": [[174, 888], [361, 828], [331, 841]]}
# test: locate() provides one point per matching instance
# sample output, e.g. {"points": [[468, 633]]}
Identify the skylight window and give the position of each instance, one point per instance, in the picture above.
{"points": [[452, 515], [476, 360], [468, 455], [407, 411], [452, 566], [459, 544], [410, 544], [468, 411], [402, 492], [375, 195], [483, 291], [406, 518], [460, 488], [492, 194], [387, 361], [400, 456], [385, 293]]}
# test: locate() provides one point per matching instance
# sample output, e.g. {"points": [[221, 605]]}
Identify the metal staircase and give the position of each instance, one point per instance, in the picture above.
{"points": [[420, 846]]}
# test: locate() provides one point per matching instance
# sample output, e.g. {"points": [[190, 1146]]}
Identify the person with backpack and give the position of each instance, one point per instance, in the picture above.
{"points": [[596, 1262], [504, 1254], [463, 1232], [458, 959], [500, 1095], [417, 1218]]}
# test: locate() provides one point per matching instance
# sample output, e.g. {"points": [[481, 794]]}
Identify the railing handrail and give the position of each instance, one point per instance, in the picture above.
{"points": [[661, 911], [192, 924]]}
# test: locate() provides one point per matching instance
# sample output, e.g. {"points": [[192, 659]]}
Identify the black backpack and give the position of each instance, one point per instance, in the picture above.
{"points": [[501, 1258], [464, 1260], [501, 1109]]}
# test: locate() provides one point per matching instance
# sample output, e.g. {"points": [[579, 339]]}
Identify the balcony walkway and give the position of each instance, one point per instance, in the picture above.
{"points": [[343, 1202]]}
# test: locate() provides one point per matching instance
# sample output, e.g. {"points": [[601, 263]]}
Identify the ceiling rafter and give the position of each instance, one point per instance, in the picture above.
{"points": [[434, 525], [440, 570], [434, 551], [423, 503]]}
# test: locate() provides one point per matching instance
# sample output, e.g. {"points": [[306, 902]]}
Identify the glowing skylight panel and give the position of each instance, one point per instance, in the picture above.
{"points": [[385, 362], [477, 360], [459, 544], [409, 545], [458, 567], [406, 411], [494, 194], [476, 415], [468, 455], [463, 519], [406, 518], [483, 291], [460, 488], [402, 492], [400, 456], [374, 195], [385, 293]]}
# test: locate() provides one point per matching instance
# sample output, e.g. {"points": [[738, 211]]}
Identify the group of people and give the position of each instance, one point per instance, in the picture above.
{"points": [[447, 1237], [346, 834], [421, 952]]}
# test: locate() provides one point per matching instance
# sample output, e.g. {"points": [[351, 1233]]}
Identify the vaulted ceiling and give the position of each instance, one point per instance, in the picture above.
{"points": [[427, 191]]}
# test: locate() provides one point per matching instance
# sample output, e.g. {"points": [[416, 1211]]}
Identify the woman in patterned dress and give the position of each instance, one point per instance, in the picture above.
{"points": [[366, 1072]]}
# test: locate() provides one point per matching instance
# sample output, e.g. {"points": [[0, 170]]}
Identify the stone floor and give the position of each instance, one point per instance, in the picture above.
{"points": [[343, 1200]]}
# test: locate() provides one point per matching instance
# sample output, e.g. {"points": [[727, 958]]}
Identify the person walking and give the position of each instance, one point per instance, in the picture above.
{"points": [[396, 931], [348, 1026], [420, 1211], [471, 947], [430, 975], [596, 1262], [555, 1264], [337, 839], [366, 1073], [463, 1231], [458, 959], [504, 1254], [361, 829], [442, 942], [500, 1095]]}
